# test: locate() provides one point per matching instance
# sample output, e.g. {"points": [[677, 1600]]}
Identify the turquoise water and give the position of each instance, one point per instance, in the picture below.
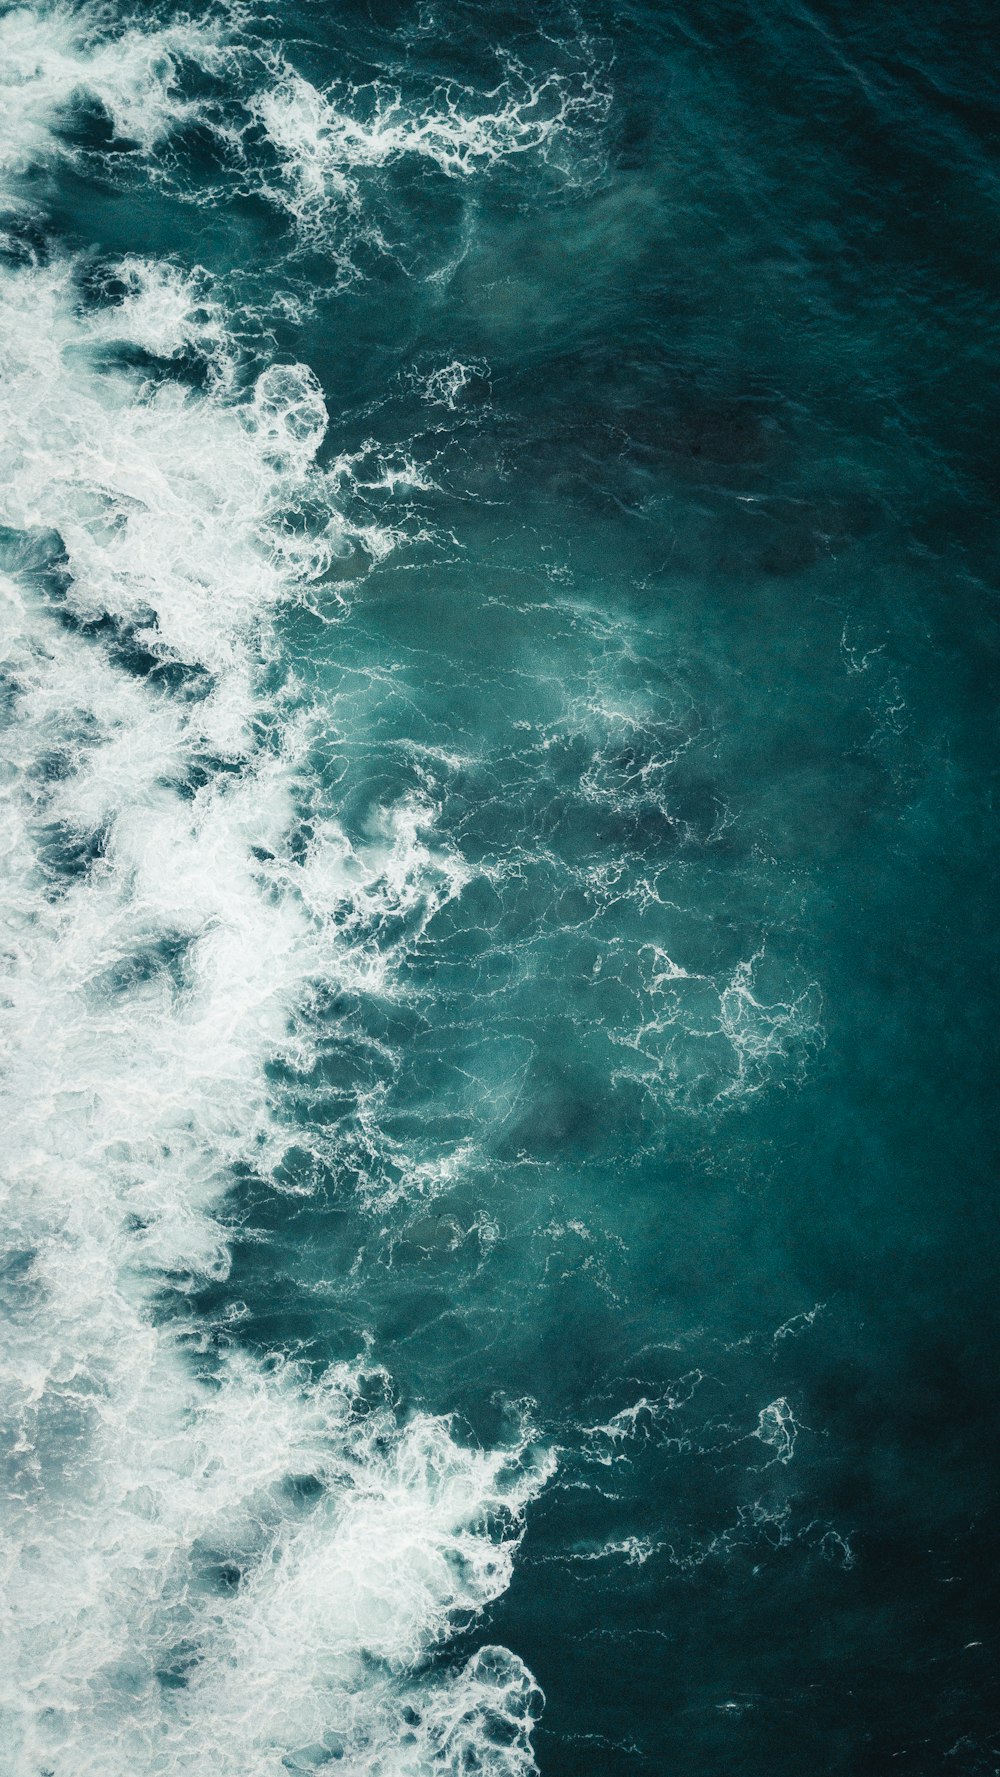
{"points": [[498, 561]]}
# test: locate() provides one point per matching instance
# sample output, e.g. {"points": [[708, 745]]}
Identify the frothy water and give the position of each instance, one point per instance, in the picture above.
{"points": [[472, 813], [221, 1564]]}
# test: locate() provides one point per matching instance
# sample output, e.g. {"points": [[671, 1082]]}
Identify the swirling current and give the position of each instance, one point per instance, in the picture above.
{"points": [[498, 686]]}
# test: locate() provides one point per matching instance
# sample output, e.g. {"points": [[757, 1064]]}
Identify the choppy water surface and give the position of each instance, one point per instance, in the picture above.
{"points": [[498, 573]]}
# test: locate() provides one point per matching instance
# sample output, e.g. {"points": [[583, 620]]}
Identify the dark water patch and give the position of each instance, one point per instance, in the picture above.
{"points": [[165, 957], [85, 124], [67, 853], [40, 555], [24, 238], [178, 1669], [22, 1291], [141, 661]]}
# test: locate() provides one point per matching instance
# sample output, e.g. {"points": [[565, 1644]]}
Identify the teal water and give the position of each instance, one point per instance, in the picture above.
{"points": [[500, 889]]}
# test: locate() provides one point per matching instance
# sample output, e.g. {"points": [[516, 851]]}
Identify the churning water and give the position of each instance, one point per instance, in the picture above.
{"points": [[497, 562]]}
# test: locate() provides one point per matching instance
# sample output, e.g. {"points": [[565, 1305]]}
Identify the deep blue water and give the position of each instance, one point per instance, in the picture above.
{"points": [[501, 888]]}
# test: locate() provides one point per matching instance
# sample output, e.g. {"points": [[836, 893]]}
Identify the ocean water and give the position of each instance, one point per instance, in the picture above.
{"points": [[498, 567]]}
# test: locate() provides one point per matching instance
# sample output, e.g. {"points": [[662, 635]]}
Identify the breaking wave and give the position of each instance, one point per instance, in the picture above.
{"points": [[224, 1564]]}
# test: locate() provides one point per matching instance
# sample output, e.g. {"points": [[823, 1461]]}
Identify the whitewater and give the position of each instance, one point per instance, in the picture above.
{"points": [[212, 1563], [497, 1061]]}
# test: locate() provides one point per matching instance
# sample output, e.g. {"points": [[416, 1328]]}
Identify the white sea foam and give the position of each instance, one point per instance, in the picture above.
{"points": [[214, 1566], [778, 1428], [168, 314], [709, 1040], [325, 137], [444, 386], [54, 57], [309, 152], [332, 145]]}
